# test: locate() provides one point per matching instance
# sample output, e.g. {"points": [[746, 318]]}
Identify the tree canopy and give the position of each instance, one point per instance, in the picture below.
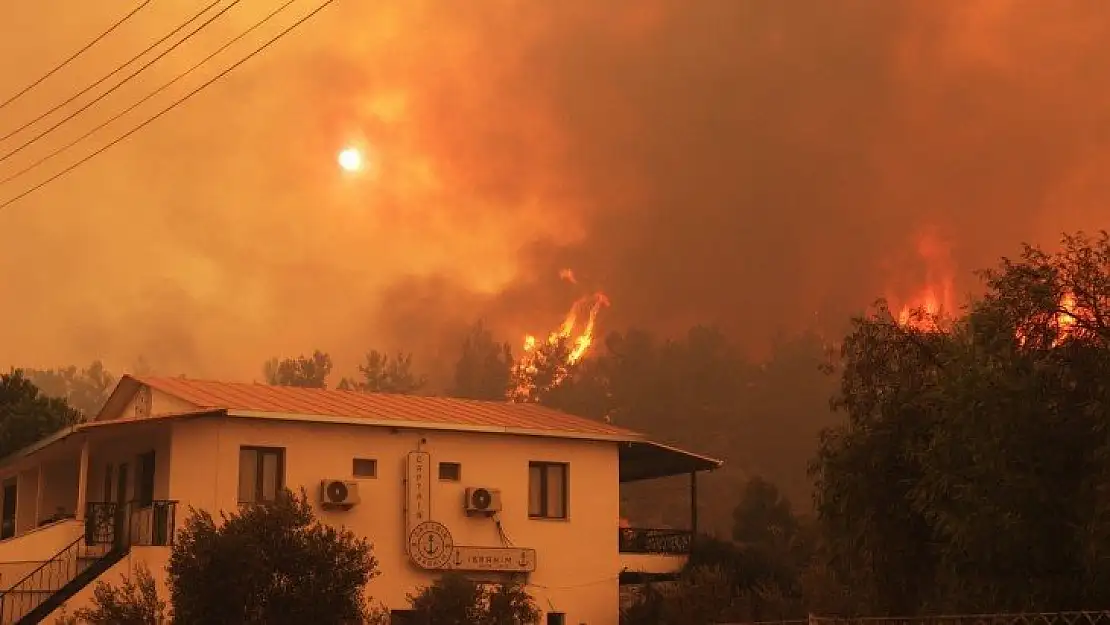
{"points": [[304, 371], [272, 563], [484, 366], [455, 599], [27, 415], [381, 374], [972, 471], [84, 389]]}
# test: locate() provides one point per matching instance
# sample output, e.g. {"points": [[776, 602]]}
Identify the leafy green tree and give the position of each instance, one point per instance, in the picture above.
{"points": [[135, 602], [382, 374], [971, 473], [27, 415], [303, 371], [270, 563], [84, 389], [484, 367], [456, 600]]}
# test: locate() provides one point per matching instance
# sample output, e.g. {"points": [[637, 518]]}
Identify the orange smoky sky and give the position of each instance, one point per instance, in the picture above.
{"points": [[754, 164]]}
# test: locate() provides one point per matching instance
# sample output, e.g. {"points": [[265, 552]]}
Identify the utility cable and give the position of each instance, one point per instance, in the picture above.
{"points": [[150, 95], [113, 72], [122, 82], [171, 107], [73, 56]]}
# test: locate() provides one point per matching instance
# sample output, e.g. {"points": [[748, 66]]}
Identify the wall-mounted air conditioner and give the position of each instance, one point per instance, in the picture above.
{"points": [[339, 494], [481, 500]]}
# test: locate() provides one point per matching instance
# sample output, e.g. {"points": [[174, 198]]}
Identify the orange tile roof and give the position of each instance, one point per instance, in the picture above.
{"points": [[441, 411]]}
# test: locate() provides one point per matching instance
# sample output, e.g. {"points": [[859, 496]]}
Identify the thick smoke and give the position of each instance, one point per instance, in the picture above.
{"points": [[764, 165]]}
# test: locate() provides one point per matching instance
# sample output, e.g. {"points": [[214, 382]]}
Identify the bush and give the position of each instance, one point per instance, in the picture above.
{"points": [[136, 602], [270, 563], [456, 600]]}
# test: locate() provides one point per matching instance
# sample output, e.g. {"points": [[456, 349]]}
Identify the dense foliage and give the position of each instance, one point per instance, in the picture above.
{"points": [[269, 563], [456, 600], [134, 602], [972, 471], [27, 415]]}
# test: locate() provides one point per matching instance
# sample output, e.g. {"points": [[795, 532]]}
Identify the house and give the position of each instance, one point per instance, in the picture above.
{"points": [[489, 488]]}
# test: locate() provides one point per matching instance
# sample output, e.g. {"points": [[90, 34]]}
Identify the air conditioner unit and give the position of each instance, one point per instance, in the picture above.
{"points": [[339, 493], [483, 500]]}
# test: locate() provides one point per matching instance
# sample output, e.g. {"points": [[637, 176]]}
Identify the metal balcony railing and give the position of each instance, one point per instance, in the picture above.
{"points": [[660, 541], [131, 524]]}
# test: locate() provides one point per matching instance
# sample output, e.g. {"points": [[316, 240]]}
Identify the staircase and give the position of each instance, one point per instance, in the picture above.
{"points": [[110, 531], [42, 590]]}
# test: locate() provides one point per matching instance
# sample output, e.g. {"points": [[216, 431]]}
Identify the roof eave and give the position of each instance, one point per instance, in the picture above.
{"points": [[627, 437], [84, 426]]}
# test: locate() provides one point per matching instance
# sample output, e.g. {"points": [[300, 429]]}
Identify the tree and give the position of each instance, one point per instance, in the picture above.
{"points": [[542, 370], [27, 415], [971, 472], [269, 563], [763, 518], [456, 600], [135, 602], [484, 367], [382, 374], [85, 389], [307, 372]]}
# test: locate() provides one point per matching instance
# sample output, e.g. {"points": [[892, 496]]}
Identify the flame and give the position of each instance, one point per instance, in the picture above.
{"points": [[578, 337], [568, 275], [936, 299], [935, 302], [1065, 319]]}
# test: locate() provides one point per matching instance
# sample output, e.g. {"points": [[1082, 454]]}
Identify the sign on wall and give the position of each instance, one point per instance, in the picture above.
{"points": [[430, 545], [506, 559], [418, 489]]}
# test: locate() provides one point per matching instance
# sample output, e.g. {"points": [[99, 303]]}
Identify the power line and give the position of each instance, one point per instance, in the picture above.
{"points": [[113, 72], [76, 54], [120, 83], [169, 108], [165, 86]]}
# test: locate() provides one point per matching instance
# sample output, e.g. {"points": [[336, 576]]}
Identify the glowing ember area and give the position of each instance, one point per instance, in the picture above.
{"points": [[568, 275], [924, 311], [1065, 320], [570, 343], [935, 300], [350, 159]]}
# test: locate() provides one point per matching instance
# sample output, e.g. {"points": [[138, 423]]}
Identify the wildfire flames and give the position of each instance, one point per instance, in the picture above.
{"points": [[575, 335], [926, 309], [1065, 320], [933, 302]]}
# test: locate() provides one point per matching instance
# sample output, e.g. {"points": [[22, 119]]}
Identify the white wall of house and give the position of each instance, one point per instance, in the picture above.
{"points": [[577, 559]]}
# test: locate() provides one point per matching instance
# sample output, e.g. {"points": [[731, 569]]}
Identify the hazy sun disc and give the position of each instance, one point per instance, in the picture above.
{"points": [[350, 159]]}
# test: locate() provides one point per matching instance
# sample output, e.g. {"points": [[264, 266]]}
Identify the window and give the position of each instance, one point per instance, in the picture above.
{"points": [[261, 473], [556, 618], [547, 490], [364, 467], [450, 471], [146, 480]]}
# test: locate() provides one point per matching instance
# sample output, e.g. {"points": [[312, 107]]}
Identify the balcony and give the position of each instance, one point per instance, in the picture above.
{"points": [[131, 524], [655, 541], [646, 553], [650, 553]]}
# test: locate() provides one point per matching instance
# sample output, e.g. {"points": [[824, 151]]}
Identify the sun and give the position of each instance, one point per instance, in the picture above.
{"points": [[350, 159]]}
